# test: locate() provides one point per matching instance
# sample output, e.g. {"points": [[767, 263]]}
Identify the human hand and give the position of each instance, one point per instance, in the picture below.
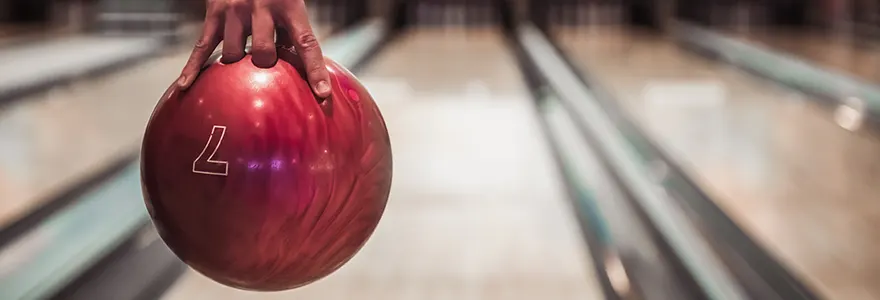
{"points": [[232, 21]]}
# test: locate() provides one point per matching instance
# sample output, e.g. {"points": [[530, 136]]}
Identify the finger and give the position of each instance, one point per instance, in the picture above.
{"points": [[238, 21], [263, 48], [209, 40], [306, 44]]}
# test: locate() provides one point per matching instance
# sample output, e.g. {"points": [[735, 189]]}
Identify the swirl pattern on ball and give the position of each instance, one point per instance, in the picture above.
{"points": [[255, 183]]}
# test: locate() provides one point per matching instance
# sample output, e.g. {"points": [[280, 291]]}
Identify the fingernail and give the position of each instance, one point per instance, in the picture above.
{"points": [[181, 81], [322, 87]]}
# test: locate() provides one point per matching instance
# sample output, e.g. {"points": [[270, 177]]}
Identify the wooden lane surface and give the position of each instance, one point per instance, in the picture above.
{"points": [[779, 166]]}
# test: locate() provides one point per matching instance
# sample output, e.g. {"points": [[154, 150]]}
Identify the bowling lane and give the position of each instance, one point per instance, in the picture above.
{"points": [[838, 53], [476, 208], [779, 166]]}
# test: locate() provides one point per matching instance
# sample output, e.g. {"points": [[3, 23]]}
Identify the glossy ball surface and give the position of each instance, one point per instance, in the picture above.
{"points": [[255, 183]]}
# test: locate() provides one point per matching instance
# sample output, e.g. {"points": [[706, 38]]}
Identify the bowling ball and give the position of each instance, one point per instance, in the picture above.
{"points": [[255, 183]]}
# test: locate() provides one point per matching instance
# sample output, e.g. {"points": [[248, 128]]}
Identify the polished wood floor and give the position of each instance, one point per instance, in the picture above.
{"points": [[794, 180]]}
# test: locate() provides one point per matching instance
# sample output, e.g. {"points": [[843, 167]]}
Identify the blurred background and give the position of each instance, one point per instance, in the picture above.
{"points": [[554, 149]]}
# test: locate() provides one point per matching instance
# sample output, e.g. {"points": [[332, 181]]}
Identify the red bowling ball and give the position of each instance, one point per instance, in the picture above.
{"points": [[258, 185]]}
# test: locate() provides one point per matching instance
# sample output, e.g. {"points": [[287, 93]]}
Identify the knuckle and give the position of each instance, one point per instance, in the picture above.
{"points": [[264, 6], [237, 4], [203, 43], [316, 72], [307, 41]]}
